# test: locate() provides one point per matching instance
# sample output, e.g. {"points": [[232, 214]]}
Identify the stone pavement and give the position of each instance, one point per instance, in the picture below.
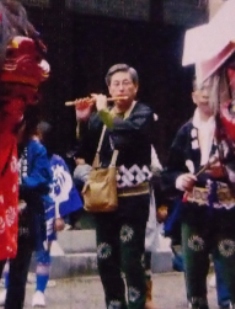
{"points": [[86, 293], [74, 254]]}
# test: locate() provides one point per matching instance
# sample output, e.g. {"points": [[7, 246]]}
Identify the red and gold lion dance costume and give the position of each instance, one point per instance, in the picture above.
{"points": [[22, 70]]}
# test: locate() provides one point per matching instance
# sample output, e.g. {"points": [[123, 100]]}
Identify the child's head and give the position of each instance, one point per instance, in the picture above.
{"points": [[27, 128], [46, 136], [44, 130]]}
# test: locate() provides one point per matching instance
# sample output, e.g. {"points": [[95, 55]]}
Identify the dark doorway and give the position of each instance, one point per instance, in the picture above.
{"points": [[82, 48]]}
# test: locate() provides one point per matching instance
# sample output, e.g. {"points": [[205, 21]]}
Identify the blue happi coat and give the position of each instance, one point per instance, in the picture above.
{"points": [[35, 180], [49, 185]]}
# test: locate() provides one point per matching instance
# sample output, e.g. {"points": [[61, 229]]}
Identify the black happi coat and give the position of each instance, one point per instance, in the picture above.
{"points": [[185, 157], [131, 136]]}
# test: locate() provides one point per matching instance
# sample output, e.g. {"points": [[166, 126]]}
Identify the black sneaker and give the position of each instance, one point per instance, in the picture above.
{"points": [[198, 303], [196, 306]]}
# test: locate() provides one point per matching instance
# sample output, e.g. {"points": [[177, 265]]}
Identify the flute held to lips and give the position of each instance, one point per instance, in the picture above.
{"points": [[89, 101]]}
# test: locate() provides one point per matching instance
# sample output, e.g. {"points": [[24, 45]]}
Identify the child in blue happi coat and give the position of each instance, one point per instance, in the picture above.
{"points": [[66, 199]]}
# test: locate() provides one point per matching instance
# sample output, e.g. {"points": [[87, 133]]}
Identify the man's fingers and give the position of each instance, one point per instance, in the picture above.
{"points": [[190, 177], [94, 95]]}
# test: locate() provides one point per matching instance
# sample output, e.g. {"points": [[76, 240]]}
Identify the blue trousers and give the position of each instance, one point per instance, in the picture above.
{"points": [[223, 296]]}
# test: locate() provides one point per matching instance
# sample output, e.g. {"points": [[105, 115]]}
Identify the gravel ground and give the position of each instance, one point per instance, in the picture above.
{"points": [[87, 293]]}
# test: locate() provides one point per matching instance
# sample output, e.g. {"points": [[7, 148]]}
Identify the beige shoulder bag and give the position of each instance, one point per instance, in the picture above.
{"points": [[100, 190]]}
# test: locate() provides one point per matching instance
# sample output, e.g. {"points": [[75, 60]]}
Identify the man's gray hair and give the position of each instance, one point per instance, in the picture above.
{"points": [[122, 67]]}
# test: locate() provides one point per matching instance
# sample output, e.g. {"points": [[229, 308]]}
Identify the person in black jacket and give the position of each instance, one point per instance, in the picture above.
{"points": [[196, 170], [121, 234]]}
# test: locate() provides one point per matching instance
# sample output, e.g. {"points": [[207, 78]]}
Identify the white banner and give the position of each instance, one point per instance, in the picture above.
{"points": [[210, 45]]}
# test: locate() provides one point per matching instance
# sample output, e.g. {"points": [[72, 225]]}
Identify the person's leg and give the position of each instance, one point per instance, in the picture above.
{"points": [[2, 265], [108, 257], [42, 249], [74, 219], [149, 284], [4, 273], [5, 276], [132, 239], [42, 277], [42, 269], [18, 276], [223, 296], [151, 245], [196, 263], [225, 254]]}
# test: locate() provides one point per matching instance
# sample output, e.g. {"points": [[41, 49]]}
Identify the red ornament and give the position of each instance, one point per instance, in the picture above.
{"points": [[227, 116]]}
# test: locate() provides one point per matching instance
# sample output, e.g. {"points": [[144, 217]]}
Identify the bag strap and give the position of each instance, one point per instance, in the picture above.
{"points": [[114, 158], [96, 161]]}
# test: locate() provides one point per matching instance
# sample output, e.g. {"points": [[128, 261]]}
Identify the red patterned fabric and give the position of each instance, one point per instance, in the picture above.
{"points": [[10, 115], [20, 77], [8, 198]]}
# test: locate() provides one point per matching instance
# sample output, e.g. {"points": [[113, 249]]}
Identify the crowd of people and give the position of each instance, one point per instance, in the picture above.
{"points": [[193, 191], [194, 183]]}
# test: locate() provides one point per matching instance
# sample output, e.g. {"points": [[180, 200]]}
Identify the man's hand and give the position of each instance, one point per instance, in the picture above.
{"points": [[83, 108], [79, 161], [185, 182], [59, 224], [162, 213], [214, 167], [101, 101]]}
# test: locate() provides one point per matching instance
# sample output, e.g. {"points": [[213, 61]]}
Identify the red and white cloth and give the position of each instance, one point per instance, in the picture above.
{"points": [[8, 196]]}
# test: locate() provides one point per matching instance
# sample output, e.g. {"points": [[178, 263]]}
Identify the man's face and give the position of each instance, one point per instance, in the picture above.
{"points": [[121, 84], [201, 98]]}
